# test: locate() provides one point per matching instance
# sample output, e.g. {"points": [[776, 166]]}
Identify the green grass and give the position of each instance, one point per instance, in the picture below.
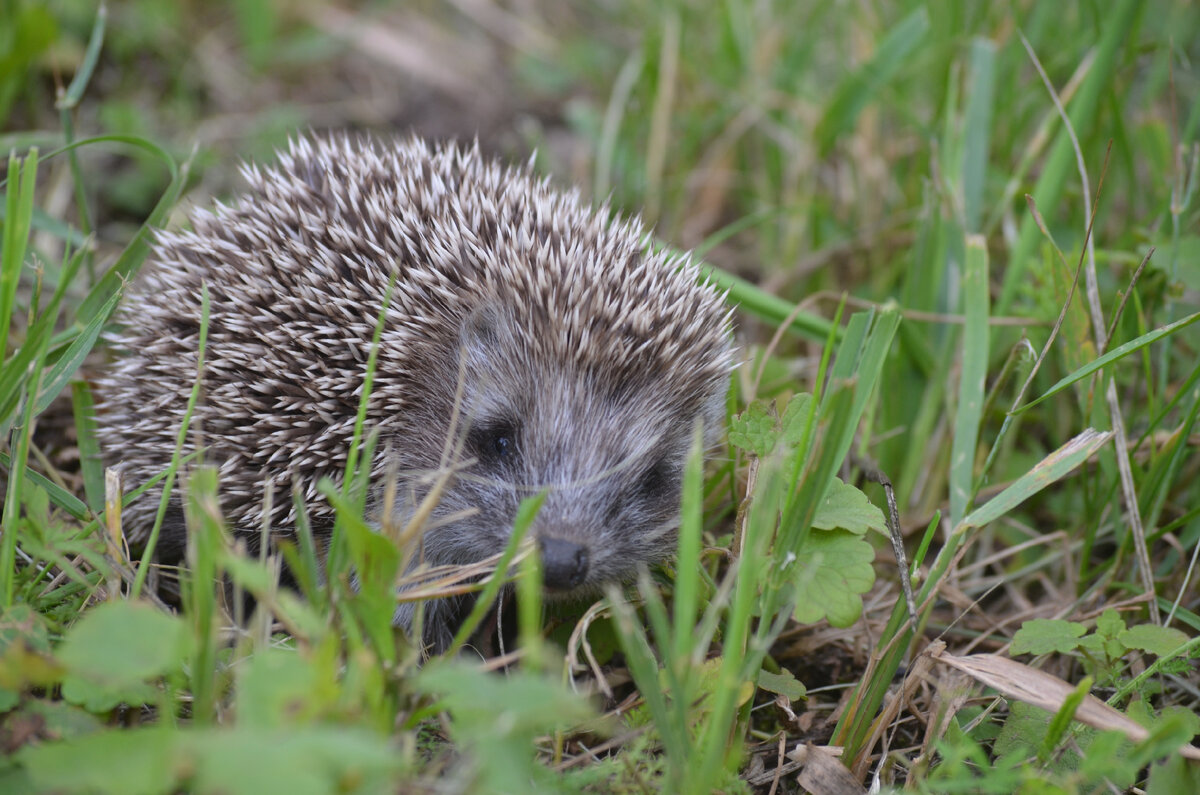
{"points": [[952, 246]]}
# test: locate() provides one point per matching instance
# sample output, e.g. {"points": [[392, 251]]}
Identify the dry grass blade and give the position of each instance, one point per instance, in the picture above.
{"points": [[437, 582], [1017, 680], [1054, 466], [1092, 291]]}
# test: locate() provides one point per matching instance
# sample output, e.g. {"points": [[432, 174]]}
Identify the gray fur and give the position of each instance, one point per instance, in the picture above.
{"points": [[548, 321]]}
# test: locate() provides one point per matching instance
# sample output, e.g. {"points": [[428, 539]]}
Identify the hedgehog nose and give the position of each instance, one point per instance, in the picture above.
{"points": [[564, 563]]}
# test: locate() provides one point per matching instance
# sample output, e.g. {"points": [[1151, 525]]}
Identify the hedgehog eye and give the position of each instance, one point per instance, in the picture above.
{"points": [[494, 443], [657, 479]]}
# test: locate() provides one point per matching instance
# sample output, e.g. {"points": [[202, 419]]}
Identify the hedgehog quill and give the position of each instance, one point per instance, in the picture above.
{"points": [[559, 349]]}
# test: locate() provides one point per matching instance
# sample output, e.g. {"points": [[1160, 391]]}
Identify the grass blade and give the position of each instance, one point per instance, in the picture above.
{"points": [[858, 89], [977, 120], [1118, 21], [22, 176], [58, 495], [69, 362], [90, 461], [756, 301], [173, 468], [19, 443], [1051, 468], [83, 74], [687, 568], [526, 513], [973, 377], [1120, 352]]}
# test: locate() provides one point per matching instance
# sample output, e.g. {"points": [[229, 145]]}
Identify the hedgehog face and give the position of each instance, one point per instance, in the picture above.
{"points": [[609, 455]]}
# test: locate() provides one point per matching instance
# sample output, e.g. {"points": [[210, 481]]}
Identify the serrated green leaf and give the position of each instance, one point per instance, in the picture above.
{"points": [[124, 643], [1178, 666], [757, 429], [58, 719], [753, 430], [1109, 627], [127, 762], [1176, 774], [279, 688], [520, 703], [794, 420], [846, 507], [1182, 714], [306, 761], [104, 696], [1110, 624], [833, 570], [784, 683], [238, 762], [1025, 730], [21, 623], [1159, 641], [1045, 635], [708, 683], [496, 719]]}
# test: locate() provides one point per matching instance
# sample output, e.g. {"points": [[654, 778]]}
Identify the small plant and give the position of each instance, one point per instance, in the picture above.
{"points": [[1102, 651]]}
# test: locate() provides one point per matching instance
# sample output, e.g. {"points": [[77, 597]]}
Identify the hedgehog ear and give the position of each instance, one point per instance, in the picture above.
{"points": [[485, 330], [481, 329]]}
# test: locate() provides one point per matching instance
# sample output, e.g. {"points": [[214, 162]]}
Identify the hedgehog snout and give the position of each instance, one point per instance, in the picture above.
{"points": [[564, 563]]}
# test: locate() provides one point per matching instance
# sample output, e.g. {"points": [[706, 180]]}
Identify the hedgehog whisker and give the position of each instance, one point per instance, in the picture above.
{"points": [[451, 579], [422, 477], [449, 519], [661, 529]]}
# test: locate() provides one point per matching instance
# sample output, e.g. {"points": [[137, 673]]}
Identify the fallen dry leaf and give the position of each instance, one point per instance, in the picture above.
{"points": [[1017, 680]]}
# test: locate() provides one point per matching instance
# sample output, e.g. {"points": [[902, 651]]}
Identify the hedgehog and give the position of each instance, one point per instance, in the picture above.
{"points": [[547, 345]]}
